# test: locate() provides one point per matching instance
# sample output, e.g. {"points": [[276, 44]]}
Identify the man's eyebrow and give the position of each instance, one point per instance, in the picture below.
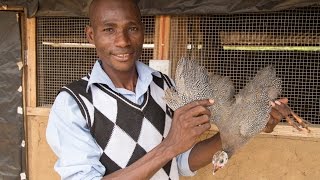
{"points": [[135, 23], [108, 23]]}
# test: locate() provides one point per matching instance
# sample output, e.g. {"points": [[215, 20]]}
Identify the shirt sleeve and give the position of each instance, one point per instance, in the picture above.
{"points": [[69, 137], [183, 164]]}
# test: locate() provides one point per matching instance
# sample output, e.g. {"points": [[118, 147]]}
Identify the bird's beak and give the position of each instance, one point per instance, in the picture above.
{"points": [[216, 168]]}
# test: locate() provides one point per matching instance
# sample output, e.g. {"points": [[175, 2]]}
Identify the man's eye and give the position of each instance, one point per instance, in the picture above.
{"points": [[108, 29], [133, 29]]}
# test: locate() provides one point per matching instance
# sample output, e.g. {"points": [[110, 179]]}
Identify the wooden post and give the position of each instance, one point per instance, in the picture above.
{"points": [[30, 63], [162, 41]]}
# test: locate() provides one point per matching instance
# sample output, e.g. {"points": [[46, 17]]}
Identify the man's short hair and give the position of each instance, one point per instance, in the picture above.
{"points": [[135, 1]]}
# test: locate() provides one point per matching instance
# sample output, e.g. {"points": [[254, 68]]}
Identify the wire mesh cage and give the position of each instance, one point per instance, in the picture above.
{"points": [[235, 45], [239, 45], [64, 55]]}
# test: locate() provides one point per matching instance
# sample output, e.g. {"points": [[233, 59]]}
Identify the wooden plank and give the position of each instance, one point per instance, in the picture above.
{"points": [[165, 37], [71, 38], [285, 130], [41, 159], [280, 130], [266, 158], [22, 20], [10, 8], [156, 37], [31, 63], [162, 40], [268, 39], [38, 111]]}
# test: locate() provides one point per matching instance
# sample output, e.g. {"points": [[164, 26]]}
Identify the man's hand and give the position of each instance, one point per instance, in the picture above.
{"points": [[188, 123], [278, 112]]}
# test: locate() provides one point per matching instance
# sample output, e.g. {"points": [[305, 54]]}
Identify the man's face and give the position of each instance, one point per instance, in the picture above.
{"points": [[117, 33]]}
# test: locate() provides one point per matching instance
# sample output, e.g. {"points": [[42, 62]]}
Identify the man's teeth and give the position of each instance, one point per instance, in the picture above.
{"points": [[122, 55]]}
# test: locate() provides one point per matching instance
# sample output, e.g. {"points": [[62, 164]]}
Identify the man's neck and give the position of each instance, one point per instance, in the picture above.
{"points": [[126, 80]]}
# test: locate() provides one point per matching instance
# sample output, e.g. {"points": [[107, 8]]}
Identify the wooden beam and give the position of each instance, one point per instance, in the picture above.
{"points": [[41, 159], [30, 63], [10, 8], [283, 129], [22, 19], [162, 38], [268, 39], [286, 130], [69, 38], [38, 111], [280, 130]]}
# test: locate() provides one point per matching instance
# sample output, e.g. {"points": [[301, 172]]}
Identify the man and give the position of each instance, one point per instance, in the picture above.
{"points": [[114, 123]]}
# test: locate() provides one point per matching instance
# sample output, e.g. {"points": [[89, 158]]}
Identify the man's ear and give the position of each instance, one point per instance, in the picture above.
{"points": [[89, 34]]}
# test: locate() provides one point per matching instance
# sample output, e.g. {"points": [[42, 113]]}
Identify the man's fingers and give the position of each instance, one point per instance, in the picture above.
{"points": [[202, 128], [270, 125], [282, 108], [279, 111], [276, 114], [200, 120], [199, 111], [283, 100]]}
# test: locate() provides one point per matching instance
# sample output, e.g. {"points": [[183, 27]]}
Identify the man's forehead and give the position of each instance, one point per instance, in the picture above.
{"points": [[110, 11]]}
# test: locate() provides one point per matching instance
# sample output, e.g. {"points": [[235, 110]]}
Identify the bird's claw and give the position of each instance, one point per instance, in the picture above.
{"points": [[296, 121]]}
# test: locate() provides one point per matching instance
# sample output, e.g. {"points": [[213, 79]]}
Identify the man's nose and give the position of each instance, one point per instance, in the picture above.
{"points": [[122, 39]]}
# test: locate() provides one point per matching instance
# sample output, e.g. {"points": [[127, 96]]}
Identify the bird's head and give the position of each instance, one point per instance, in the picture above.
{"points": [[219, 160]]}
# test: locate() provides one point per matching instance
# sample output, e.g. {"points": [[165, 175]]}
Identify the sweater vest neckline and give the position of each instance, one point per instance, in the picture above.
{"points": [[111, 92]]}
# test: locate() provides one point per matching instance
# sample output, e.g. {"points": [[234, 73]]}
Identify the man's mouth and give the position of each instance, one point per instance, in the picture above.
{"points": [[123, 57]]}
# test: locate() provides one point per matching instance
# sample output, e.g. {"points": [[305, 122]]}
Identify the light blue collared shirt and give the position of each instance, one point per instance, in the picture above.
{"points": [[69, 137]]}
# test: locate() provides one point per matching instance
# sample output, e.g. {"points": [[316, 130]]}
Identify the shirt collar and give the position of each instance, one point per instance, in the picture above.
{"points": [[144, 76]]}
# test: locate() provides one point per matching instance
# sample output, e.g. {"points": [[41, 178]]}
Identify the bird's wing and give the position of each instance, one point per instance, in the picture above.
{"points": [[192, 83], [222, 91], [252, 102]]}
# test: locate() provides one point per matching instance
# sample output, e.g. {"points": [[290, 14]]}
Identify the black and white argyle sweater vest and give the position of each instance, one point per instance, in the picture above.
{"points": [[124, 130]]}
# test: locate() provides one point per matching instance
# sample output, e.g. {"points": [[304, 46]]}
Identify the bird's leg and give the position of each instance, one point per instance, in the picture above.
{"points": [[301, 122]]}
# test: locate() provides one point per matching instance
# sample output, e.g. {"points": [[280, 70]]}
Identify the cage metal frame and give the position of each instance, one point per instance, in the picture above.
{"points": [[238, 45], [195, 49]]}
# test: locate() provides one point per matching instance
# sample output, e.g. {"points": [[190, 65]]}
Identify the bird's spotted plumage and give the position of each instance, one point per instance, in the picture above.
{"points": [[238, 116]]}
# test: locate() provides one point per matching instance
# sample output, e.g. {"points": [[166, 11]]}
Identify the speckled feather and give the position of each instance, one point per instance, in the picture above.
{"points": [[238, 117]]}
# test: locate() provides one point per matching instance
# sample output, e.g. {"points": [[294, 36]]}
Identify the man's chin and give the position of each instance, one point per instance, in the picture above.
{"points": [[113, 64], [125, 67]]}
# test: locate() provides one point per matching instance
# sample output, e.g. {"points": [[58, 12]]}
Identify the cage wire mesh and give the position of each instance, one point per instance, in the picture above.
{"points": [[239, 45], [60, 62]]}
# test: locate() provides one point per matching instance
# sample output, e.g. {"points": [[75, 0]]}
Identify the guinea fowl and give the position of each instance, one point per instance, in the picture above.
{"points": [[238, 117]]}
